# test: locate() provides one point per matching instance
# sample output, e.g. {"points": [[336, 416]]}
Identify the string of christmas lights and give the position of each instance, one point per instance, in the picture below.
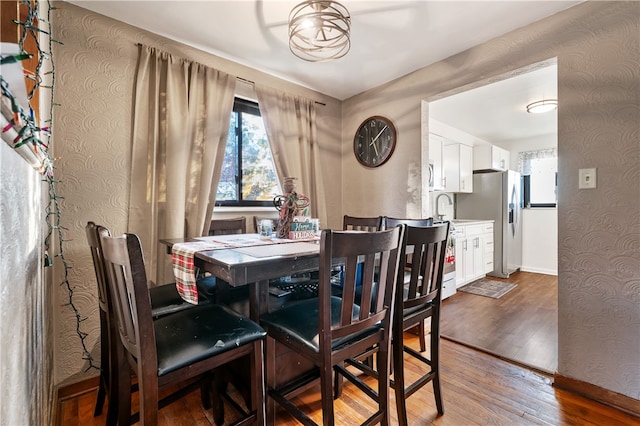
{"points": [[23, 133]]}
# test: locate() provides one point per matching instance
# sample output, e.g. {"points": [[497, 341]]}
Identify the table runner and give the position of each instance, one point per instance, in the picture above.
{"points": [[182, 257]]}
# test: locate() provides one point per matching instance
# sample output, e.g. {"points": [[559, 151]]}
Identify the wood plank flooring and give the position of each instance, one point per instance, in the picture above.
{"points": [[478, 389], [521, 326]]}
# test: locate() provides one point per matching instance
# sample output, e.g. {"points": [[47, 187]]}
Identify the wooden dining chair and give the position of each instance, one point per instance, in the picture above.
{"points": [[356, 223], [213, 288], [417, 301], [171, 350], [165, 300], [328, 330], [392, 222], [236, 225]]}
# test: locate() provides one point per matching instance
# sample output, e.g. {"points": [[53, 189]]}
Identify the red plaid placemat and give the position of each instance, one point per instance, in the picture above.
{"points": [[183, 268]]}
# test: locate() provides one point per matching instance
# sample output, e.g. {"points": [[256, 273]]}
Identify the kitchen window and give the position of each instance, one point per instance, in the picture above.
{"points": [[539, 170], [248, 175]]}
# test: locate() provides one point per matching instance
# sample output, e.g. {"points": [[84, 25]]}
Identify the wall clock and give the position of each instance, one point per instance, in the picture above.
{"points": [[374, 141]]}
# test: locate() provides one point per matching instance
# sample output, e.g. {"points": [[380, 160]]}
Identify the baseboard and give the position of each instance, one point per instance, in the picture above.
{"points": [[71, 390], [539, 271], [596, 393]]}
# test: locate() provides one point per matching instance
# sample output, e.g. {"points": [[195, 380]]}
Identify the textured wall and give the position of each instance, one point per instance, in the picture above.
{"points": [[94, 85], [599, 230], [25, 335], [597, 46]]}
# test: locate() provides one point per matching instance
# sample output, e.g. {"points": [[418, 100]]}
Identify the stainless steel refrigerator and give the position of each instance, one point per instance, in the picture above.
{"points": [[496, 196]]}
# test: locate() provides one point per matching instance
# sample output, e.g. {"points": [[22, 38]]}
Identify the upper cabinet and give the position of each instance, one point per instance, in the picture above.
{"points": [[458, 168], [436, 162], [490, 157]]}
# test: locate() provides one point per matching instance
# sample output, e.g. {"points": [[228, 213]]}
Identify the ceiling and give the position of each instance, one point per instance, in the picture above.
{"points": [[497, 112], [388, 38]]}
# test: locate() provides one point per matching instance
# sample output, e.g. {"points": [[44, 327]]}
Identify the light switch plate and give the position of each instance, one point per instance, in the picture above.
{"points": [[587, 178]]}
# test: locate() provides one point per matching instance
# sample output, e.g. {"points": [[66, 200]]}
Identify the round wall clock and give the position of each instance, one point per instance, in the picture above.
{"points": [[374, 141]]}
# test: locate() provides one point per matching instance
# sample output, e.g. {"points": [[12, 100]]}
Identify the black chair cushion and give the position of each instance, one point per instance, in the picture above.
{"points": [[195, 334], [165, 300], [300, 322]]}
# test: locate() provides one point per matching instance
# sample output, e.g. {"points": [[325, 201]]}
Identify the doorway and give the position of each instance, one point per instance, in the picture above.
{"points": [[493, 112]]}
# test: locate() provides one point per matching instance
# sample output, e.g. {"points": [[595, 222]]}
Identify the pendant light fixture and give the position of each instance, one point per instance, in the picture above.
{"points": [[545, 105], [319, 30]]}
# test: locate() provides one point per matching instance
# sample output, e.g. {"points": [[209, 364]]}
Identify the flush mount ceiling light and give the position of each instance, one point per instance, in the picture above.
{"points": [[319, 31], [545, 105]]}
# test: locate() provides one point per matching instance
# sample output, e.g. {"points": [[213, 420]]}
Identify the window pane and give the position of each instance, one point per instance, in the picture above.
{"points": [[227, 187], [259, 180], [248, 173], [543, 181]]}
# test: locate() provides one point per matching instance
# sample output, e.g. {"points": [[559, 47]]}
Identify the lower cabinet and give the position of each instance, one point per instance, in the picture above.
{"points": [[474, 252]]}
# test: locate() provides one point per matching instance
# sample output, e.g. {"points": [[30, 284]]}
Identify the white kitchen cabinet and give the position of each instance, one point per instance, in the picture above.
{"points": [[458, 168], [474, 251], [436, 145], [490, 157], [487, 243]]}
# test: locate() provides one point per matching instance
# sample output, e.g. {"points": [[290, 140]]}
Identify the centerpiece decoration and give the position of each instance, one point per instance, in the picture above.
{"points": [[290, 205]]}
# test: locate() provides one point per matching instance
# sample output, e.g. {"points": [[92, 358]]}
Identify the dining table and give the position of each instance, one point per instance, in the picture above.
{"points": [[250, 260]]}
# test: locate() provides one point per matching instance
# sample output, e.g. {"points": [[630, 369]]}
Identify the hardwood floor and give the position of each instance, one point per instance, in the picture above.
{"points": [[478, 389], [521, 326]]}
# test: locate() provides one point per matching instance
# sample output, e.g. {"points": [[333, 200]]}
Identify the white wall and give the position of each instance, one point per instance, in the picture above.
{"points": [[540, 241], [539, 226], [25, 338]]}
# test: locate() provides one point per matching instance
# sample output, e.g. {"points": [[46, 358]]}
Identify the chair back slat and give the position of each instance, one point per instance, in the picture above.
{"points": [[236, 225], [367, 224], [93, 238]]}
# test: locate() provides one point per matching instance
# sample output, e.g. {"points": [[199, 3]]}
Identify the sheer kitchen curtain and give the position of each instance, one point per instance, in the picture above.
{"points": [[180, 126], [290, 122]]}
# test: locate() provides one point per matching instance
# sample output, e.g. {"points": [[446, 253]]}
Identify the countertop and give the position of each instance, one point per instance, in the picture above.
{"points": [[463, 222]]}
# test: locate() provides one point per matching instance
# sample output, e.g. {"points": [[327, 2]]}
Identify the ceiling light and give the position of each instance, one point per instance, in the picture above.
{"points": [[545, 105], [319, 30]]}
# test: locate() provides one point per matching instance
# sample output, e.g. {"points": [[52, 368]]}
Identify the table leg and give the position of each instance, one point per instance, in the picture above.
{"points": [[270, 376], [258, 299]]}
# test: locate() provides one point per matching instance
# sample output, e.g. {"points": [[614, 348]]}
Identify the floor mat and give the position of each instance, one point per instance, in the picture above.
{"points": [[488, 288]]}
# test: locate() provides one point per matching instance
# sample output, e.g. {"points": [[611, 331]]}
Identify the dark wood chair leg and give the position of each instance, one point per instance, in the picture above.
{"points": [[122, 383], [421, 335], [102, 393], [383, 386], [326, 390], [218, 388], [398, 376], [258, 394], [435, 361], [206, 392]]}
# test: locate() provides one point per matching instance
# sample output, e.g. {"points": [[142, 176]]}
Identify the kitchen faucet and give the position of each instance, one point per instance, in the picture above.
{"points": [[441, 216]]}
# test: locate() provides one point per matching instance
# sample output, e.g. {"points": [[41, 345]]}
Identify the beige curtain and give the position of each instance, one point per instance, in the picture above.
{"points": [[290, 122], [180, 125]]}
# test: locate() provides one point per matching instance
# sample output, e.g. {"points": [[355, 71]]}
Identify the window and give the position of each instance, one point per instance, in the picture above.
{"points": [[248, 173], [539, 171]]}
